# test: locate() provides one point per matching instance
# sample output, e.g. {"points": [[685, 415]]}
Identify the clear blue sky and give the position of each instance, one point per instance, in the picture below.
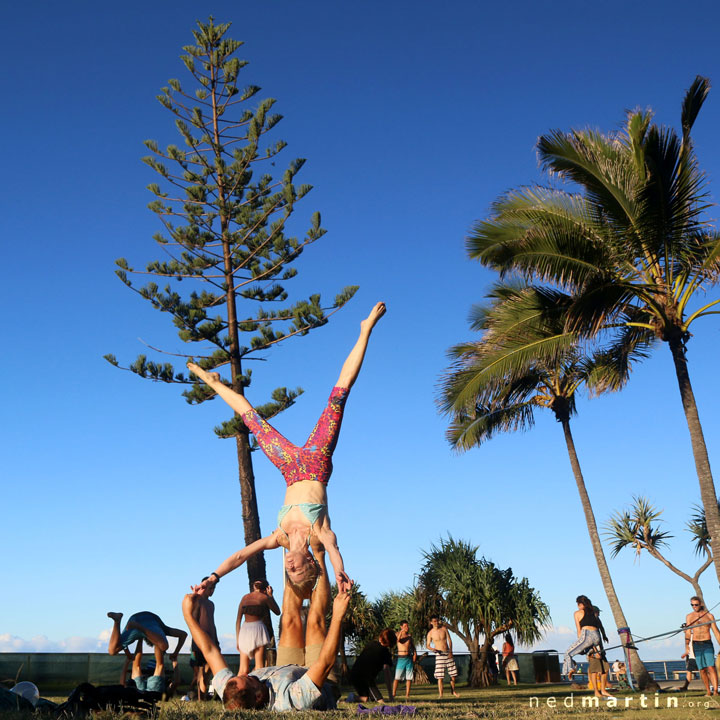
{"points": [[414, 116]]}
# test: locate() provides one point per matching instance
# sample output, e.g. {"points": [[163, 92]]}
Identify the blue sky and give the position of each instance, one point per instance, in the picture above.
{"points": [[414, 117]]}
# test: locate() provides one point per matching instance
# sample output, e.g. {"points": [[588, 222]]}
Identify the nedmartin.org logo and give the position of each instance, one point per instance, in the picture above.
{"points": [[621, 703]]}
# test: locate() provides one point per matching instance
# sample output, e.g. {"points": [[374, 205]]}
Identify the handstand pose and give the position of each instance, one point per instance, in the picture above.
{"points": [[149, 627], [306, 471]]}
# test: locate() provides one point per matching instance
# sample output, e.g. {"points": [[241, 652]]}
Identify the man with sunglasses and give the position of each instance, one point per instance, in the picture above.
{"points": [[697, 631]]}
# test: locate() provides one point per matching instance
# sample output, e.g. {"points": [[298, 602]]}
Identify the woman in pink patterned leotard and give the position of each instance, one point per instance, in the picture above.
{"points": [[303, 519]]}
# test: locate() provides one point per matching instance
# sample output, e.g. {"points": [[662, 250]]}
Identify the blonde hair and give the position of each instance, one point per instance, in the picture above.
{"points": [[310, 575]]}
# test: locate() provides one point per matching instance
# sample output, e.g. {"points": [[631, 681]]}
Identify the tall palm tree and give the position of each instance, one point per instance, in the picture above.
{"points": [[526, 361], [633, 246]]}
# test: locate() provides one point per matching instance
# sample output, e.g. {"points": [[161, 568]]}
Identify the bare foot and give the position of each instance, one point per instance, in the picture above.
{"points": [[207, 377], [372, 319], [115, 616], [455, 694]]}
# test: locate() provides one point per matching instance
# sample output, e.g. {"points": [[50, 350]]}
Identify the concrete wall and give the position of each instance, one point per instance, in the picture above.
{"points": [[64, 671]]}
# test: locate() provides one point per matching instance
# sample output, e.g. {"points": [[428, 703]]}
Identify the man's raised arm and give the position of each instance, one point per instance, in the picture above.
{"points": [[320, 669]]}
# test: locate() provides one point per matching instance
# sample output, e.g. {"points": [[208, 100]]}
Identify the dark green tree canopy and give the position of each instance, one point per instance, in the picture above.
{"points": [[227, 252], [477, 600]]}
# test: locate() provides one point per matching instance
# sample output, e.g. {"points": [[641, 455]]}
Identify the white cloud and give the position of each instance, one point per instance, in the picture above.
{"points": [[41, 643]]}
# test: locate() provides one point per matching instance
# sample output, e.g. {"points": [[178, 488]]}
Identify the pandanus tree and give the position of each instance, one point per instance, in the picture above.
{"points": [[478, 601], [226, 243], [628, 236], [638, 528], [526, 361]]}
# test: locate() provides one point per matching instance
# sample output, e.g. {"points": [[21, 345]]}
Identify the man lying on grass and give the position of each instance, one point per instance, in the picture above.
{"points": [[289, 687]]}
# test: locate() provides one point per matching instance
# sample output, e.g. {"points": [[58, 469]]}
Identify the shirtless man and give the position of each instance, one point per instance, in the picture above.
{"points": [[702, 646], [204, 613], [406, 658], [439, 642]]}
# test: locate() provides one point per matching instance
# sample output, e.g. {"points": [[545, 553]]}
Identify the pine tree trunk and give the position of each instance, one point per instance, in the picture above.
{"points": [[642, 677], [251, 522], [697, 440]]}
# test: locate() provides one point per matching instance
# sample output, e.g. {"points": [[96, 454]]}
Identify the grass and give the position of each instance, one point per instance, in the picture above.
{"points": [[531, 702]]}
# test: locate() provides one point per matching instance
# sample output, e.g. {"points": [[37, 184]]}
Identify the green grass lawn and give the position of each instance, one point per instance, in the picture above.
{"points": [[551, 702]]}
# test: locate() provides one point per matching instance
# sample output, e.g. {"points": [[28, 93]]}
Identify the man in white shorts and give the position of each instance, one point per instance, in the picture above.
{"points": [[439, 642]]}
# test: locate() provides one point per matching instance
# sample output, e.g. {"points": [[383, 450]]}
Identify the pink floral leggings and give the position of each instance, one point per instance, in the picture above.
{"points": [[312, 461]]}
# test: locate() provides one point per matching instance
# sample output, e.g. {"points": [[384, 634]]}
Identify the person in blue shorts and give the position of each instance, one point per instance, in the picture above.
{"points": [[406, 659], [697, 630], [148, 627]]}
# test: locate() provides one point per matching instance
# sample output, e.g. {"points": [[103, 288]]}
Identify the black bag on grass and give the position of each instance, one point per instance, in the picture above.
{"points": [[87, 698]]}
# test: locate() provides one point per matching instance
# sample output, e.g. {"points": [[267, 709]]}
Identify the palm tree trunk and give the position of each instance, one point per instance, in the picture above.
{"points": [[641, 674], [697, 440]]}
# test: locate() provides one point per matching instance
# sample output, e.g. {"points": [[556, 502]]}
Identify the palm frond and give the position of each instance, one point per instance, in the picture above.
{"points": [[694, 99]]}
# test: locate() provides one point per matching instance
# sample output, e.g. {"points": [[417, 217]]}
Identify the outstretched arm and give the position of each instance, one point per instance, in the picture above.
{"points": [[320, 669], [207, 645], [353, 363], [269, 542], [328, 538], [234, 399]]}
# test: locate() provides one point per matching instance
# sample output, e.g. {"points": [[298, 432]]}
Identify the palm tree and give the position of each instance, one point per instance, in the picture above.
{"points": [[638, 528], [633, 246], [526, 361]]}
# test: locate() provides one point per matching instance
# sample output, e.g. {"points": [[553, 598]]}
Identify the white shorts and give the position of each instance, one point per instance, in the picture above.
{"points": [[252, 635], [444, 662]]}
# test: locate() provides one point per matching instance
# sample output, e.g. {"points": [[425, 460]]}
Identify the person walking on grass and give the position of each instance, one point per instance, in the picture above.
{"points": [[306, 471], [439, 641], [148, 627]]}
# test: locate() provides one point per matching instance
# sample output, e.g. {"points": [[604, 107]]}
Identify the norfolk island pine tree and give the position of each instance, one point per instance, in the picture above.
{"points": [[225, 241], [526, 361]]}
